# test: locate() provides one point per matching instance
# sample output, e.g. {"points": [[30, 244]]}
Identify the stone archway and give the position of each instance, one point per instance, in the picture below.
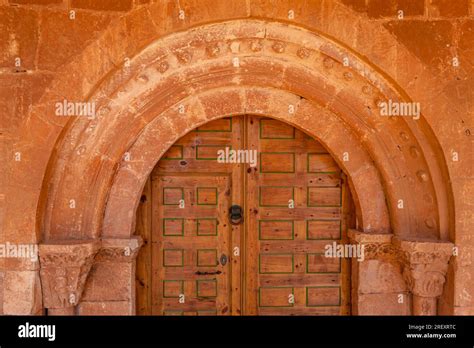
{"points": [[259, 67]]}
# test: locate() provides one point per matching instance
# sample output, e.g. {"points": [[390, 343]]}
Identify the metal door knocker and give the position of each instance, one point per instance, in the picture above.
{"points": [[235, 215]]}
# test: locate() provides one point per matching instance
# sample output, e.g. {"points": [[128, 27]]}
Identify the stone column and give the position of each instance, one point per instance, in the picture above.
{"points": [[377, 286], [20, 286], [110, 288], [425, 264], [64, 269]]}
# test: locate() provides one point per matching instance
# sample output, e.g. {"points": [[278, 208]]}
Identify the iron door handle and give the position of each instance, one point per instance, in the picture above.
{"points": [[208, 273], [235, 214]]}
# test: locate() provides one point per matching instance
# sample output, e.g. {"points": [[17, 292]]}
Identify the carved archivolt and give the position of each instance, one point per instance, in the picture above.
{"points": [[183, 69]]}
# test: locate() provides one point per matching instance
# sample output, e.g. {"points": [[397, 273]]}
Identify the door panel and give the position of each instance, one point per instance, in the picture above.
{"points": [[189, 242], [295, 202], [200, 230]]}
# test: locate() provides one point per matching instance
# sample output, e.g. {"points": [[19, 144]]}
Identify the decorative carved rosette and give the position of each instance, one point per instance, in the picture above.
{"points": [[64, 269]]}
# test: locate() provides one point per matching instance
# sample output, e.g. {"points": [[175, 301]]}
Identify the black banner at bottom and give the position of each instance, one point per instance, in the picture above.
{"points": [[133, 331]]}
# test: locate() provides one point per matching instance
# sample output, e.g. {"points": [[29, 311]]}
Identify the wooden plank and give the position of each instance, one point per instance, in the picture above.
{"points": [[192, 165], [298, 246], [299, 213], [237, 252], [300, 311], [251, 235], [300, 279], [143, 263], [348, 221], [157, 270]]}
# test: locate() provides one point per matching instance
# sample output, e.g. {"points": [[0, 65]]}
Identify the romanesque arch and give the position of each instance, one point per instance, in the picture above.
{"points": [[265, 68], [175, 68]]}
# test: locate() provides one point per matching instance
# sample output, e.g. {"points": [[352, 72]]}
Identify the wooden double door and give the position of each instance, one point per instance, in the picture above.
{"points": [[237, 217]]}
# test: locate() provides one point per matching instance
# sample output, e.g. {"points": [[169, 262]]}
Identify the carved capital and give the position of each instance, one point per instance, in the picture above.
{"points": [[64, 269], [425, 264], [376, 245], [119, 250]]}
